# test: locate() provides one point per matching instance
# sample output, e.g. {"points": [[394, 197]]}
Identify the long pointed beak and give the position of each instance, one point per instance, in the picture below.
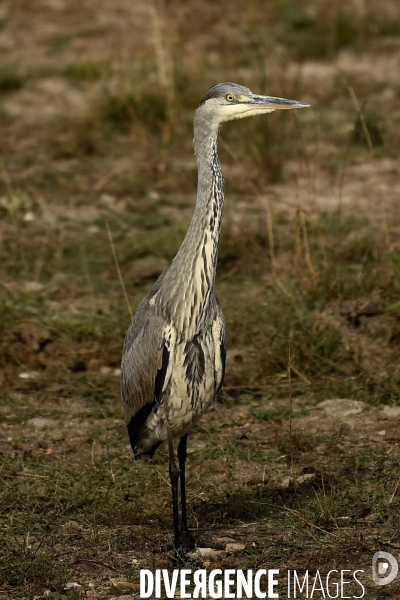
{"points": [[275, 103]]}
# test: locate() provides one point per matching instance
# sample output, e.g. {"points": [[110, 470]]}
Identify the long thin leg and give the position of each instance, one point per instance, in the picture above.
{"points": [[174, 477], [182, 453]]}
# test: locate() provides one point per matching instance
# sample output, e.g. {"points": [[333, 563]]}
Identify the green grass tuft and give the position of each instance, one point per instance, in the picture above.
{"points": [[120, 111], [12, 77], [374, 123], [271, 414], [81, 71]]}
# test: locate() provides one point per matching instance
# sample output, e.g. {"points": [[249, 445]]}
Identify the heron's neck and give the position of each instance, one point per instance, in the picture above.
{"points": [[193, 269]]}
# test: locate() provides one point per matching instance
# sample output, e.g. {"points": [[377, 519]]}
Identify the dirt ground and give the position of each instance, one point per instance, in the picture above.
{"points": [[297, 466]]}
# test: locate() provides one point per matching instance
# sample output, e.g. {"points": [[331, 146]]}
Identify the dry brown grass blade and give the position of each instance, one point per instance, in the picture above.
{"points": [[105, 179], [302, 518], [289, 373], [94, 562], [294, 205], [227, 147], [7, 182], [303, 227], [342, 175], [164, 60], [306, 160], [88, 279], [360, 108], [118, 270], [307, 247], [271, 237], [394, 492]]}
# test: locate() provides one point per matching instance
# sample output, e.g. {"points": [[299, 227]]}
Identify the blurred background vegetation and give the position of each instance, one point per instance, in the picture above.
{"points": [[96, 114]]}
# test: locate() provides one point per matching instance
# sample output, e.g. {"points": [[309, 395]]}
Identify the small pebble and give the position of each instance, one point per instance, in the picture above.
{"points": [[121, 587], [234, 547], [225, 540], [371, 518], [29, 375], [205, 552], [70, 528]]}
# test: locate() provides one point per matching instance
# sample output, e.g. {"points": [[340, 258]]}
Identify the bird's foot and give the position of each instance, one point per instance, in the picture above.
{"points": [[187, 541]]}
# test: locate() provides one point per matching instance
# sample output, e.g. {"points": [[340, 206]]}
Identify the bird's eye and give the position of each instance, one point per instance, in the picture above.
{"points": [[230, 97]]}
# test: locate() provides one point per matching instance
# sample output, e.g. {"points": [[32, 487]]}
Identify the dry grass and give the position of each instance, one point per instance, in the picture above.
{"points": [[95, 116]]}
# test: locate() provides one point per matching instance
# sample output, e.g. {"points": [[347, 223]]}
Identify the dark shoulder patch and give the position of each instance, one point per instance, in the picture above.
{"points": [[161, 373], [137, 422], [222, 350]]}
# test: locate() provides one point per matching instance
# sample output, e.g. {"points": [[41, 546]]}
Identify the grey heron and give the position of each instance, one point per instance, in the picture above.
{"points": [[173, 358]]}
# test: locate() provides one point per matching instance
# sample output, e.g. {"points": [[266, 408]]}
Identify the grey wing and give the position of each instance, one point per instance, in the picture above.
{"points": [[144, 367]]}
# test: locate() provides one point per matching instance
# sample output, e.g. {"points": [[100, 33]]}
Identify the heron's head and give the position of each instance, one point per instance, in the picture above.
{"points": [[228, 101]]}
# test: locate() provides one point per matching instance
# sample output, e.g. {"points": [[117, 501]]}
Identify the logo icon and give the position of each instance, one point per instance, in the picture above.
{"points": [[384, 568]]}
